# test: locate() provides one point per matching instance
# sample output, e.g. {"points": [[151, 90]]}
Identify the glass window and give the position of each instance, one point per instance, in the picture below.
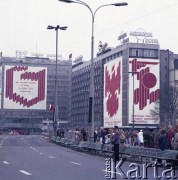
{"points": [[136, 52], [150, 53]]}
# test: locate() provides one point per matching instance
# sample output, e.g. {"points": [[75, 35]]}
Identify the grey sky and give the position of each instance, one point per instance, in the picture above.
{"points": [[23, 24]]}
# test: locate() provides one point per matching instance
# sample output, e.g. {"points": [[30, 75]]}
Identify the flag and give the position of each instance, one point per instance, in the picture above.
{"points": [[51, 107], [70, 56]]}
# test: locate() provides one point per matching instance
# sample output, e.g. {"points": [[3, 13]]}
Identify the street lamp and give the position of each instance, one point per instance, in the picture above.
{"points": [[91, 95], [133, 109], [55, 116]]}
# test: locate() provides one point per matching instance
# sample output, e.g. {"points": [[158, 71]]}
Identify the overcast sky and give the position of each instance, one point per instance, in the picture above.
{"points": [[23, 25]]}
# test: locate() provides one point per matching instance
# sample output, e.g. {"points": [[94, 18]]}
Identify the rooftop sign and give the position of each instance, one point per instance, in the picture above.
{"points": [[141, 37], [78, 60]]}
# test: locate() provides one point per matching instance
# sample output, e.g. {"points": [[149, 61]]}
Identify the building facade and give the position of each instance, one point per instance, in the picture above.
{"points": [[151, 58], [28, 89]]}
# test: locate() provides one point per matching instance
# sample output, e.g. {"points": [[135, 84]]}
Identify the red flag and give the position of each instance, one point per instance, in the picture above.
{"points": [[51, 107]]}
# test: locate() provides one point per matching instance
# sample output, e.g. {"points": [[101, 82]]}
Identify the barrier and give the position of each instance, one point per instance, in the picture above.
{"points": [[107, 150]]}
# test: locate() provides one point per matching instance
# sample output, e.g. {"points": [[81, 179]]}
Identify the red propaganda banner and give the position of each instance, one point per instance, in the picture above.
{"points": [[113, 93], [25, 87], [146, 89]]}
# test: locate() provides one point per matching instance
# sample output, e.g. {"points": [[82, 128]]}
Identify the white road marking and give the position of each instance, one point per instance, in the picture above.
{"points": [[34, 149], [51, 157], [41, 153], [76, 163], [5, 162], [25, 172]]}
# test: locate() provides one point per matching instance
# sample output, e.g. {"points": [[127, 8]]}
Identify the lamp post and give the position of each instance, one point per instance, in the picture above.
{"points": [[91, 94], [55, 116], [133, 109]]}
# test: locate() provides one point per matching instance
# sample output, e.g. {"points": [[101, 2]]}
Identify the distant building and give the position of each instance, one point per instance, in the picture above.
{"points": [[173, 68], [28, 88]]}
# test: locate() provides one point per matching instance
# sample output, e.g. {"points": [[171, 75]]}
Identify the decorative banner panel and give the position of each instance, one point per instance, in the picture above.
{"points": [[113, 93], [25, 87], [146, 89]]}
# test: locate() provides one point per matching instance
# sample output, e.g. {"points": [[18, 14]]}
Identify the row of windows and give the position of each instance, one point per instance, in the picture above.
{"points": [[146, 53], [85, 77], [113, 56], [84, 103], [58, 77], [84, 85], [80, 119], [86, 69]]}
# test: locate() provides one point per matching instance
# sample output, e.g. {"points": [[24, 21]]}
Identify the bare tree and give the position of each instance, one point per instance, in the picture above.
{"points": [[156, 111], [167, 106], [171, 103]]}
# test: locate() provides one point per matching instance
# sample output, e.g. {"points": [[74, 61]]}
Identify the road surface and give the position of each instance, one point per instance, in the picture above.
{"points": [[34, 158]]}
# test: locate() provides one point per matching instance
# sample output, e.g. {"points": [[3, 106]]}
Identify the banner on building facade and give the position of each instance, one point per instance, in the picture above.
{"points": [[113, 93], [25, 87], [144, 75]]}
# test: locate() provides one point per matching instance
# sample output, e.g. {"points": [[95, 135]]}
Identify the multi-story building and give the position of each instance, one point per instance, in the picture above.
{"points": [[173, 68], [152, 76], [28, 88]]}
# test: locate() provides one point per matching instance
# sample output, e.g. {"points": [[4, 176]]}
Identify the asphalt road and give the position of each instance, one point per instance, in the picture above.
{"points": [[34, 158]]}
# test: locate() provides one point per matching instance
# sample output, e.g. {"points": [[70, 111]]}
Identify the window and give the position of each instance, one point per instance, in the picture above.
{"points": [[136, 52], [149, 53]]}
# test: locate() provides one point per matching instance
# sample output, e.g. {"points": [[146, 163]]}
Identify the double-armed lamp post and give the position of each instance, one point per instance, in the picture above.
{"points": [[91, 94], [55, 115]]}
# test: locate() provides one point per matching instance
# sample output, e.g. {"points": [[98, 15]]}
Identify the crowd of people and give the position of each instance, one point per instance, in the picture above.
{"points": [[151, 138]]}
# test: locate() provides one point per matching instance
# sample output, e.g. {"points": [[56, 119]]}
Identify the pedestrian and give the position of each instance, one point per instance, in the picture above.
{"points": [[103, 136], [99, 136], [95, 135], [116, 141], [62, 133], [156, 137], [122, 137], [170, 135], [84, 134], [163, 142], [77, 135], [146, 137], [140, 137], [135, 138]]}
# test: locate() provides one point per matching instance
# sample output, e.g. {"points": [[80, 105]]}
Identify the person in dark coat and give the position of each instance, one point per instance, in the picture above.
{"points": [[115, 139], [95, 135], [146, 137], [103, 133], [163, 141]]}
